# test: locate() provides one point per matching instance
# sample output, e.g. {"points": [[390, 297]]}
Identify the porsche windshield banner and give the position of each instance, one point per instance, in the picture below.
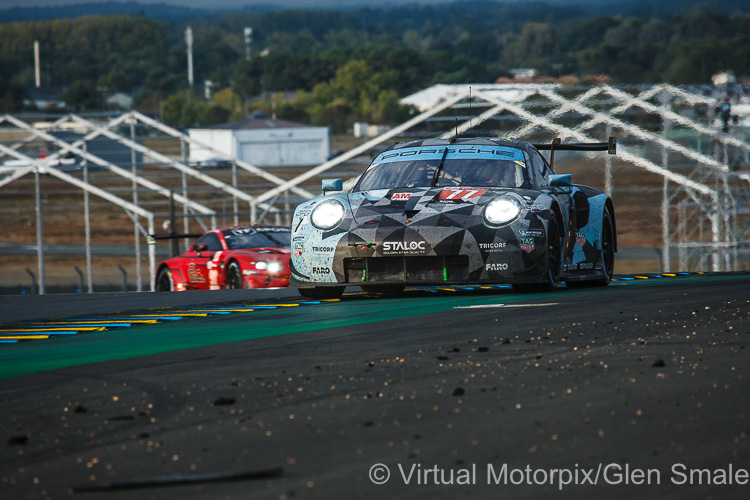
{"points": [[454, 153]]}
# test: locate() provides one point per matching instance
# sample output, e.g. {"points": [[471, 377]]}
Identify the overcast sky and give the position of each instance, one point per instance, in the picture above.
{"points": [[238, 4]]}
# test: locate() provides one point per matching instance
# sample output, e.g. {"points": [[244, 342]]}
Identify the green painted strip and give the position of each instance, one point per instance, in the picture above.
{"points": [[34, 357]]}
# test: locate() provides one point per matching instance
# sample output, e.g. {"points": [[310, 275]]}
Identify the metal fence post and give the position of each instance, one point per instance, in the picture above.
{"points": [[39, 230], [124, 278]]}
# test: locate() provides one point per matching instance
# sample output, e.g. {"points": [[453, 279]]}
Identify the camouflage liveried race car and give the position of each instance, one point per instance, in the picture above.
{"points": [[439, 212]]}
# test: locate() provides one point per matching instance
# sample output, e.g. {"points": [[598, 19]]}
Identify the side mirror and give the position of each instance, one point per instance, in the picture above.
{"points": [[561, 180], [332, 185], [200, 247]]}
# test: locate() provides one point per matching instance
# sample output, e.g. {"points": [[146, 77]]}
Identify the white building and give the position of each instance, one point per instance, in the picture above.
{"points": [[263, 142]]}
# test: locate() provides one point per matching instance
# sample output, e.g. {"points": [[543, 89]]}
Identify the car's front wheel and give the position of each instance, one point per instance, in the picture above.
{"points": [[322, 292], [234, 276], [554, 261], [164, 281]]}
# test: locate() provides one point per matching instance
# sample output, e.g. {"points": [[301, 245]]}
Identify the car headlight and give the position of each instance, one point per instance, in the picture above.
{"points": [[502, 210], [262, 265], [327, 214], [274, 267]]}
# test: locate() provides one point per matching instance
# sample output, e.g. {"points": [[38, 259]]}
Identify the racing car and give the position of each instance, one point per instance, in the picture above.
{"points": [[459, 211], [237, 257]]}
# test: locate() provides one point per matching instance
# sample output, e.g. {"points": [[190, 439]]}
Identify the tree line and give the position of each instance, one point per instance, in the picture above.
{"points": [[355, 65]]}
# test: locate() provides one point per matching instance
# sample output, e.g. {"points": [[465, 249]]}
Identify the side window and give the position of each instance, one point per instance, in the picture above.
{"points": [[541, 169], [212, 242]]}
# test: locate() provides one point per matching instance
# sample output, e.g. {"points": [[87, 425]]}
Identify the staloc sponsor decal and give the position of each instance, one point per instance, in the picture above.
{"points": [[497, 246], [526, 244], [400, 196], [404, 247]]}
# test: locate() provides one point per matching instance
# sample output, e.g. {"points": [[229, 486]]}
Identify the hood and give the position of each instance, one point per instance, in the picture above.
{"points": [[415, 201]]}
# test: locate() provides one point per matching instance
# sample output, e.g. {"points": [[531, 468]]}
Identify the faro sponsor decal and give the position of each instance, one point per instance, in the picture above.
{"points": [[526, 244], [496, 266], [408, 247], [321, 270]]}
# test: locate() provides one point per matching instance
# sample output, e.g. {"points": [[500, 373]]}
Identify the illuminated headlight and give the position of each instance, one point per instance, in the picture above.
{"points": [[327, 214], [502, 210], [261, 265], [274, 267]]}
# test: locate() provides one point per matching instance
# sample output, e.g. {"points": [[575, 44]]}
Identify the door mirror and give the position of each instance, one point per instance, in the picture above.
{"points": [[332, 185], [561, 180], [200, 247]]}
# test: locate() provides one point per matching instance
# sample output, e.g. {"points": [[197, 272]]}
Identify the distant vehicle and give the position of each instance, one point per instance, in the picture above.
{"points": [[466, 211], [214, 163], [66, 163], [237, 257]]}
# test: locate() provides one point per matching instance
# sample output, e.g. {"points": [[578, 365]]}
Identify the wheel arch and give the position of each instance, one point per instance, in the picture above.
{"points": [[609, 206]]}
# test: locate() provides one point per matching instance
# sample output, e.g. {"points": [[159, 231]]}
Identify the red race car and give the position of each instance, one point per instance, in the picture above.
{"points": [[237, 257]]}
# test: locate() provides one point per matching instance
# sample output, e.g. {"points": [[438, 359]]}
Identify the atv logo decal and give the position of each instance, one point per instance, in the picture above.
{"points": [[403, 247], [400, 196], [460, 194], [580, 238], [298, 249], [526, 244]]}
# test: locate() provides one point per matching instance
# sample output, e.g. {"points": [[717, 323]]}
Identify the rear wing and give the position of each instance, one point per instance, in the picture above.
{"points": [[556, 145]]}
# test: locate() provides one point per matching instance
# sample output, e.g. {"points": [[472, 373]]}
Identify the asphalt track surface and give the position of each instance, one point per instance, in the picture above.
{"points": [[276, 397]]}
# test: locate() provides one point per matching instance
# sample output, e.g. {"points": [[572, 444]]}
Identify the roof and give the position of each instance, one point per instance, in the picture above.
{"points": [[257, 124]]}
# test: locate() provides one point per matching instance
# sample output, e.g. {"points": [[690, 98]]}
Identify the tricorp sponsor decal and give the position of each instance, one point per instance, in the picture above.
{"points": [[497, 246], [404, 247], [458, 194], [400, 196], [322, 249], [496, 266], [526, 244]]}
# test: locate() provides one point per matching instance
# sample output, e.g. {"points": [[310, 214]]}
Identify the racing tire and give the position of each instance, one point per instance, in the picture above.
{"points": [[164, 282], [234, 276], [322, 292], [554, 261], [607, 256], [383, 289]]}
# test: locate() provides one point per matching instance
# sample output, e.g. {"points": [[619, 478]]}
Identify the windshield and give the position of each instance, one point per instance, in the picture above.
{"points": [[257, 237], [470, 166]]}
